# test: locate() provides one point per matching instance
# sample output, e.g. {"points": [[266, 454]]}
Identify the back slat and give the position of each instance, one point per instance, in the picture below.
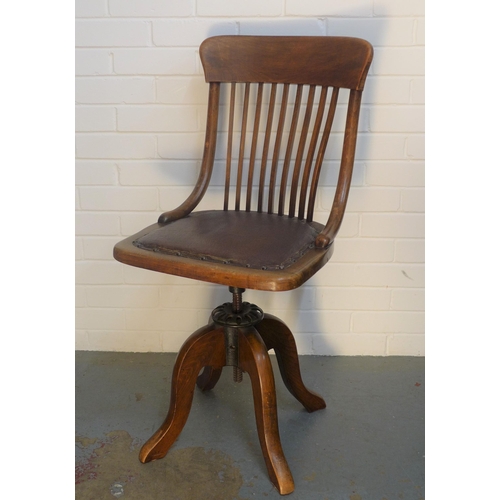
{"points": [[321, 153], [265, 149], [289, 148], [229, 146], [242, 147], [304, 178], [310, 153], [277, 146], [253, 151], [300, 150]]}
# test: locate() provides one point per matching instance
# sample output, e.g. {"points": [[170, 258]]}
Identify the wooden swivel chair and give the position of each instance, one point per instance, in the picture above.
{"points": [[268, 241]]}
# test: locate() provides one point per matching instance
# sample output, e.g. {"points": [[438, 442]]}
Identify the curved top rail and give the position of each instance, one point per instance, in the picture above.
{"points": [[315, 60]]}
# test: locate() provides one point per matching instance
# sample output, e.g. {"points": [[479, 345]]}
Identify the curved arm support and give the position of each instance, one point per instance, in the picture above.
{"points": [[326, 237], [206, 165]]}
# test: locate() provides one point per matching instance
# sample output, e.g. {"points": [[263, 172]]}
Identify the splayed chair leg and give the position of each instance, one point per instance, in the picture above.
{"points": [[254, 359], [276, 335], [205, 347]]}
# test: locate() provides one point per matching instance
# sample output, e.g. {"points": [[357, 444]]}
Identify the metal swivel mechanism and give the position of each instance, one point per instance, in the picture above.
{"points": [[232, 317]]}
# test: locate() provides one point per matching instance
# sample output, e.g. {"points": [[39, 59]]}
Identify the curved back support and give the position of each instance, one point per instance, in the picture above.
{"points": [[330, 61], [281, 101]]}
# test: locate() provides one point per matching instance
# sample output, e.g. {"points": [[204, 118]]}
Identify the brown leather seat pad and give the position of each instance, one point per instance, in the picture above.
{"points": [[248, 239]]}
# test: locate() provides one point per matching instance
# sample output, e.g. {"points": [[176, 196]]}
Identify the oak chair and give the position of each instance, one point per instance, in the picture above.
{"points": [[274, 126]]}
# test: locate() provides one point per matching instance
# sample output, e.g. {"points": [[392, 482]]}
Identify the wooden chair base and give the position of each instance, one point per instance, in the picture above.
{"points": [[207, 349]]}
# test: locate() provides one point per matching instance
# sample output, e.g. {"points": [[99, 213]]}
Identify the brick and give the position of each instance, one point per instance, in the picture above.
{"points": [[352, 298], [158, 119], [388, 322], [397, 119], [190, 32], [95, 119], [370, 275], [115, 146], [402, 61], [395, 173], [239, 8], [112, 33], [418, 90], [93, 62], [134, 222], [102, 319], [205, 297], [80, 300], [154, 61], [172, 341], [122, 341], [415, 147], [187, 146], [161, 320], [349, 227], [91, 8], [97, 224], [397, 8], [406, 345], [118, 198], [420, 32], [413, 200], [95, 172], [392, 225], [275, 27], [392, 31], [410, 251], [362, 250], [324, 8], [380, 147], [78, 249], [314, 322], [181, 90], [151, 8], [158, 173], [115, 90], [408, 300], [349, 344], [99, 248], [81, 340], [99, 273], [364, 199], [387, 90], [304, 342], [172, 197], [122, 296]]}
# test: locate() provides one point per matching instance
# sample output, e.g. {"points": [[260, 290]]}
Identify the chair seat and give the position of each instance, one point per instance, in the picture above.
{"points": [[251, 247], [247, 239]]}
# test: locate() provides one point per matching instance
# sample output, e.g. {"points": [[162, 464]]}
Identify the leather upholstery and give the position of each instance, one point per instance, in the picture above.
{"points": [[247, 239]]}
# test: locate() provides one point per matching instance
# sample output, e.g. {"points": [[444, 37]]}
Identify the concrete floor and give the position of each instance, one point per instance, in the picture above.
{"points": [[368, 444]]}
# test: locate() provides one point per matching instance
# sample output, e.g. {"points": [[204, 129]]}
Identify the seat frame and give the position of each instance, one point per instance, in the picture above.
{"points": [[240, 334]]}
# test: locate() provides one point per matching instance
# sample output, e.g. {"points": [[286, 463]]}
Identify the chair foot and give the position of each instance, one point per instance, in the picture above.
{"points": [[276, 335], [254, 359], [205, 347]]}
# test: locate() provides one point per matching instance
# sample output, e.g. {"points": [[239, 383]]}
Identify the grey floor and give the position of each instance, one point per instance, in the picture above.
{"points": [[367, 444]]}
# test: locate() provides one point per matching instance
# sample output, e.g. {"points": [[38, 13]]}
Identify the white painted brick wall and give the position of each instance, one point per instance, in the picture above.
{"points": [[140, 117]]}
